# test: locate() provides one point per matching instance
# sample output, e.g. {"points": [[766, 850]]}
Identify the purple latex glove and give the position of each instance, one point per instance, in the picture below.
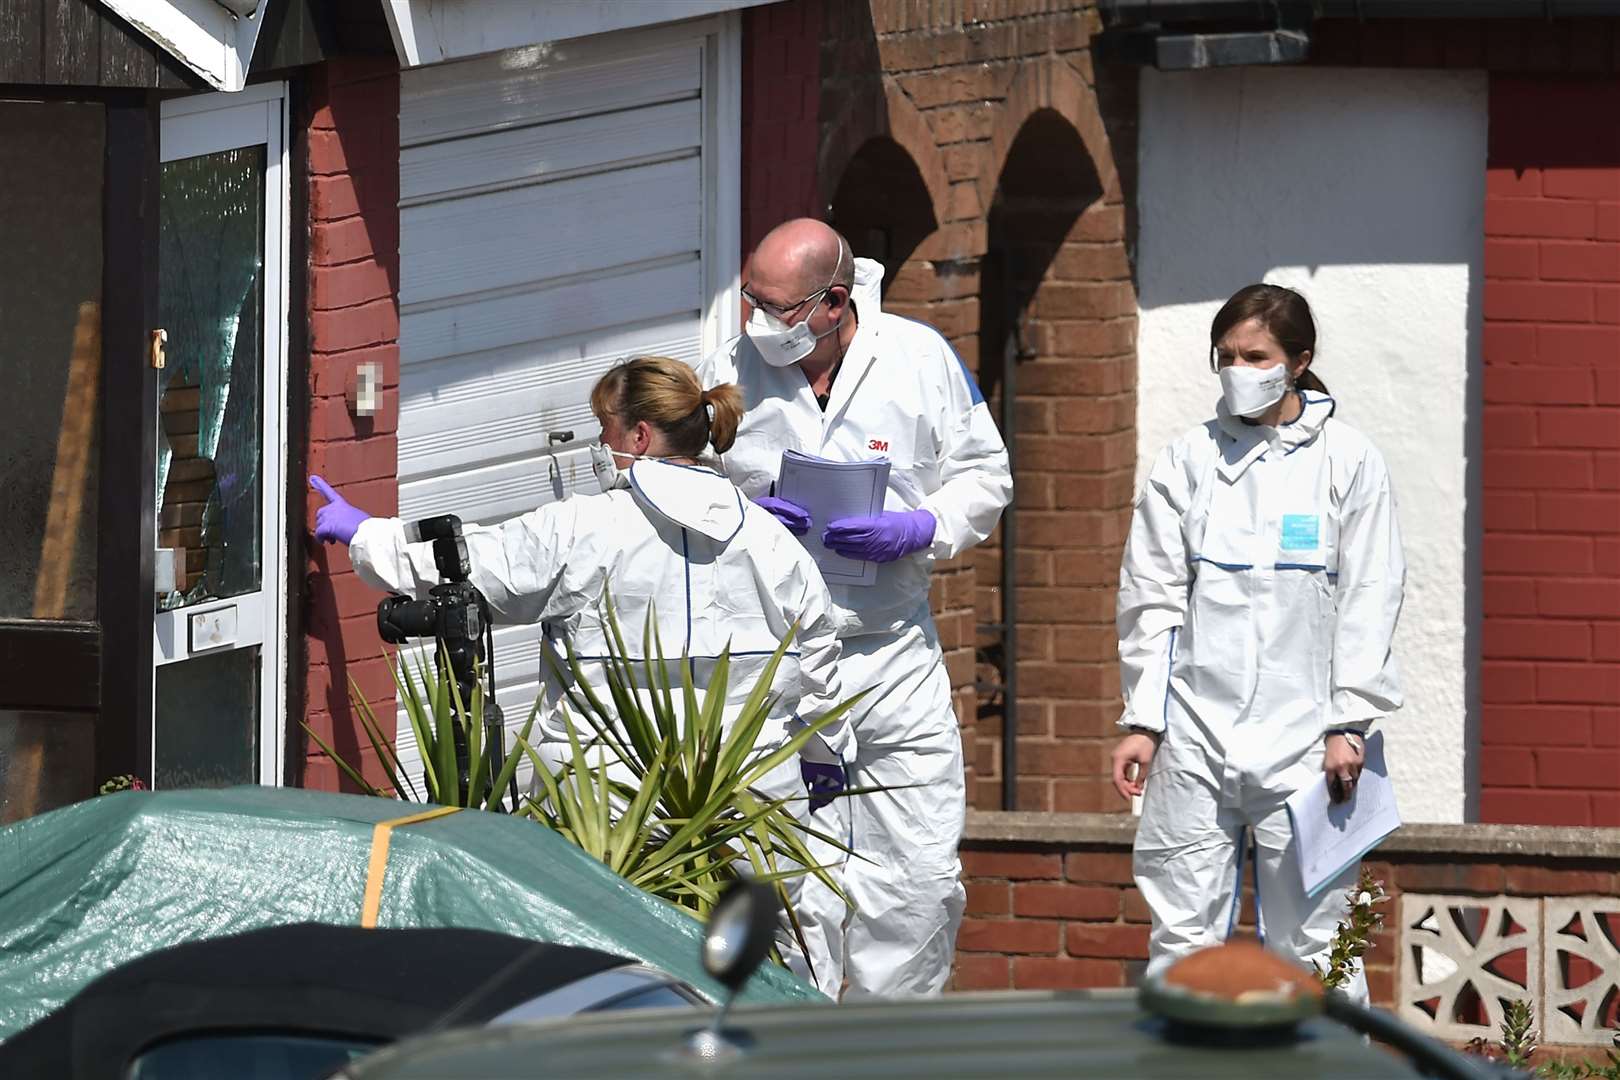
{"points": [[822, 782], [336, 521], [884, 537], [795, 518]]}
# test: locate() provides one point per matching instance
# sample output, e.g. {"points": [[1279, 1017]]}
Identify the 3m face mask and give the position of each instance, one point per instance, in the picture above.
{"points": [[1250, 391], [780, 344]]}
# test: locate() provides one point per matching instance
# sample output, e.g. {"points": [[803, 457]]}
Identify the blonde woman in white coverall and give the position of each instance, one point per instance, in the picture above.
{"points": [[669, 534], [1258, 599], [823, 370]]}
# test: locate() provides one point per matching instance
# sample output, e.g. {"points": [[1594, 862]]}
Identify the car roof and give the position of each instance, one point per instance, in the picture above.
{"points": [[1000, 1036]]}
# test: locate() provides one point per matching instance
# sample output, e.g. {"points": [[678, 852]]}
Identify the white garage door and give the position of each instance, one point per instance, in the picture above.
{"points": [[561, 207]]}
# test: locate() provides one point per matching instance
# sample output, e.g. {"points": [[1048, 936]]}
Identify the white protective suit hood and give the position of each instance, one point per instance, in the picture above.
{"points": [[691, 496], [868, 290], [1245, 442]]}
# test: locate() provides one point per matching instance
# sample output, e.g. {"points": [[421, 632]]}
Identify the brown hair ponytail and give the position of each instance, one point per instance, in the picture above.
{"points": [[726, 405], [1308, 381], [666, 394]]}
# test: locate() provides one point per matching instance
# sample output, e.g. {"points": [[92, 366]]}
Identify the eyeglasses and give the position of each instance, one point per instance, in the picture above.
{"points": [[780, 311]]}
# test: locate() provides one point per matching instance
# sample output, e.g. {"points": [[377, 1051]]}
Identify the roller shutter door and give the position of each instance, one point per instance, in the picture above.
{"points": [[556, 214]]}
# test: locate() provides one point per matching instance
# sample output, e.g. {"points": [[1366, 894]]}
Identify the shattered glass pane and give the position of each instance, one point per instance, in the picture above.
{"points": [[210, 443]]}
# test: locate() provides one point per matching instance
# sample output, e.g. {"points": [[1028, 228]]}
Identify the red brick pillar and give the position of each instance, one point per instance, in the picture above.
{"points": [[1550, 736], [1076, 455], [353, 136]]}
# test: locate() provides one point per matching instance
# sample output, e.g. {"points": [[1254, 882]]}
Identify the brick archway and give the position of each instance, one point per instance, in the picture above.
{"points": [[1058, 318], [1050, 83], [874, 112]]}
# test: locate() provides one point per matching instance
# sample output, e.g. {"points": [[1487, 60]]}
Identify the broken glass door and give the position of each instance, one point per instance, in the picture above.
{"points": [[220, 393]]}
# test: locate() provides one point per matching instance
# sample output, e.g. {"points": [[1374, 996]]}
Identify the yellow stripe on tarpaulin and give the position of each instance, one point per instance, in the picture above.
{"points": [[380, 835]]}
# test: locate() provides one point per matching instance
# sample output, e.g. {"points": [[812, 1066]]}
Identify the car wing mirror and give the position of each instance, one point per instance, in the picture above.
{"points": [[736, 941]]}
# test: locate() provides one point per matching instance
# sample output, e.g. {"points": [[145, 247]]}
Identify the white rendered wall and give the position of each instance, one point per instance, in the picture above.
{"points": [[1364, 189]]}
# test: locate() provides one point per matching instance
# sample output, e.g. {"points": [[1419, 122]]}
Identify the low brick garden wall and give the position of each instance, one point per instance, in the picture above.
{"points": [[1478, 914]]}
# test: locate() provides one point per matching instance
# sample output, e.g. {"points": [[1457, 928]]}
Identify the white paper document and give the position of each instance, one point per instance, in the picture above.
{"points": [[1330, 836], [831, 490]]}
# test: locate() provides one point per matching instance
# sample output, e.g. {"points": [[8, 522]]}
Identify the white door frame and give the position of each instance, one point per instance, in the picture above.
{"points": [[722, 180], [203, 124]]}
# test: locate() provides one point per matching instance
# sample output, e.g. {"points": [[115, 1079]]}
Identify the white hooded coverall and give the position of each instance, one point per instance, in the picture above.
{"points": [[901, 393], [720, 573], [1258, 598]]}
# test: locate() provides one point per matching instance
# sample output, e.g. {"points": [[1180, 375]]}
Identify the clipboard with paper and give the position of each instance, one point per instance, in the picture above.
{"points": [[1330, 836], [830, 490]]}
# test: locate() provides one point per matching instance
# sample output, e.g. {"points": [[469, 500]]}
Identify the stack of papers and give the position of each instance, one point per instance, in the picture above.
{"points": [[830, 490], [1330, 836]]}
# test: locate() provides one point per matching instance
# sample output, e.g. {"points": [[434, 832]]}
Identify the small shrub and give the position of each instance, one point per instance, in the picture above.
{"points": [[1353, 937], [1518, 1044]]}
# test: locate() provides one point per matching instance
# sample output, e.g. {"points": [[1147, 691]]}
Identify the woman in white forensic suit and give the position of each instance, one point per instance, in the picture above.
{"points": [[666, 534], [1258, 598]]}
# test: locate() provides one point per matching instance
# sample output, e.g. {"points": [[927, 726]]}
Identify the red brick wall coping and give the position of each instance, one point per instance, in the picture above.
{"points": [[988, 829]]}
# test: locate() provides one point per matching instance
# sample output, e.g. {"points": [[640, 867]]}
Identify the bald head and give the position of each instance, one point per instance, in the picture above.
{"points": [[800, 256]]}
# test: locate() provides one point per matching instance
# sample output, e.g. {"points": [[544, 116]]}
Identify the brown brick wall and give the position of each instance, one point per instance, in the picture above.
{"points": [[971, 148]]}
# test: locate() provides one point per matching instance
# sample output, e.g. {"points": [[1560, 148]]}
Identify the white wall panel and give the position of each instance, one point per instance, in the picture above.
{"points": [[549, 151], [585, 225], [510, 403], [542, 85], [476, 324]]}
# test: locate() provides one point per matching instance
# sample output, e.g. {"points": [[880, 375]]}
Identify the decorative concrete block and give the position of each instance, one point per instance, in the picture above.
{"points": [[1581, 958], [1463, 957]]}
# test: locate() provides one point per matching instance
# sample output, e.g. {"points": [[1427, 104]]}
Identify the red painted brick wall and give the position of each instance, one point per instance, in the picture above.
{"points": [[1550, 737], [781, 113], [352, 127]]}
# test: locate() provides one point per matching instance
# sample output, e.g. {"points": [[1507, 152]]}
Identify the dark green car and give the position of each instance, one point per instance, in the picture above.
{"points": [[1101, 1033], [1235, 1012]]}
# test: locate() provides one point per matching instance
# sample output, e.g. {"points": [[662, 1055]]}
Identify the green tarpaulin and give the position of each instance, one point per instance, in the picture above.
{"points": [[92, 886]]}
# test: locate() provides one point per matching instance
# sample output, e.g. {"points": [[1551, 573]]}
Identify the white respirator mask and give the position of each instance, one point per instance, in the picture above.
{"points": [[780, 344], [1250, 391], [608, 473]]}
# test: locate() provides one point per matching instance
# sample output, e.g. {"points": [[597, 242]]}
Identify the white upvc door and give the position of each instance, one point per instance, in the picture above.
{"points": [[221, 604], [562, 207]]}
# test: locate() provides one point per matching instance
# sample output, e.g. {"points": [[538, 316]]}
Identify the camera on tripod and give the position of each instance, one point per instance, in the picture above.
{"points": [[457, 615]]}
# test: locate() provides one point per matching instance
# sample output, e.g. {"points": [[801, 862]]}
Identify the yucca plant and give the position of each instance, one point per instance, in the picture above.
{"points": [[437, 714], [690, 818]]}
